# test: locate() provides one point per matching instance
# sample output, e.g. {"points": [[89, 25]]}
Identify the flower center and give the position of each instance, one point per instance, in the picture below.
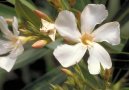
{"points": [[87, 39]]}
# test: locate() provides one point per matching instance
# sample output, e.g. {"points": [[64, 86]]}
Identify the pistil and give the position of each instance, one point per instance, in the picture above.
{"points": [[87, 39]]}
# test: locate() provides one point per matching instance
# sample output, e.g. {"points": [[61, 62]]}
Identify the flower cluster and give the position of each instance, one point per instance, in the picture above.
{"points": [[11, 45], [92, 15], [86, 38]]}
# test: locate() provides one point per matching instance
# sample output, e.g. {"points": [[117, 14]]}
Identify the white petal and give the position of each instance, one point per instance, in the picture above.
{"points": [[69, 55], [15, 26], [4, 28], [98, 53], [7, 63], [17, 50], [52, 35], [109, 32], [93, 65], [46, 26], [91, 15], [5, 46], [66, 26]]}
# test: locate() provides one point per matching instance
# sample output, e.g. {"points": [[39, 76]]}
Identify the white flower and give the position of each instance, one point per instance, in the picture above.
{"points": [[11, 45], [48, 28], [92, 15]]}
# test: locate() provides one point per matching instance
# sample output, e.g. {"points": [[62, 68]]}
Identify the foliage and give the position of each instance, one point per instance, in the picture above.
{"points": [[80, 78]]}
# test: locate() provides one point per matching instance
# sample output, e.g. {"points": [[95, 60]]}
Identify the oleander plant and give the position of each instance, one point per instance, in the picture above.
{"points": [[64, 45]]}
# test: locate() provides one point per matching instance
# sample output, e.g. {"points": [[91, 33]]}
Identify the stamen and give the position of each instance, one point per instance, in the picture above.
{"points": [[89, 42], [87, 39]]}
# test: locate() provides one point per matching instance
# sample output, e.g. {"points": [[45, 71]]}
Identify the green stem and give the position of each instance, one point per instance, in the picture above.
{"points": [[117, 75]]}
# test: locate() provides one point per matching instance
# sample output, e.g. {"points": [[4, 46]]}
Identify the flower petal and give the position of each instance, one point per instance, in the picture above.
{"points": [[69, 55], [91, 15], [93, 65], [4, 28], [52, 35], [98, 53], [109, 32], [15, 26], [5, 46], [7, 63], [46, 26], [49, 29], [17, 50], [66, 26]]}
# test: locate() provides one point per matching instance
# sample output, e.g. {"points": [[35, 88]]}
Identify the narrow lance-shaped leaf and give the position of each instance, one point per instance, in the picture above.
{"points": [[7, 11], [26, 13]]}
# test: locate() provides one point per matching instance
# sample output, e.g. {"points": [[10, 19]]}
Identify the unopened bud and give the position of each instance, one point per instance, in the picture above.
{"points": [[67, 72], [42, 15], [26, 32], [39, 44], [72, 2], [107, 74]]}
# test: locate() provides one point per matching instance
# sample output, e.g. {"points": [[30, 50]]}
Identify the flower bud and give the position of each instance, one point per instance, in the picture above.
{"points": [[67, 72], [39, 44], [72, 2], [42, 15], [26, 32], [25, 39], [107, 74]]}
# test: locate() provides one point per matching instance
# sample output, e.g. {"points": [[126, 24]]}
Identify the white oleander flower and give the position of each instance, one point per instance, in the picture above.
{"points": [[92, 15], [48, 28], [10, 47]]}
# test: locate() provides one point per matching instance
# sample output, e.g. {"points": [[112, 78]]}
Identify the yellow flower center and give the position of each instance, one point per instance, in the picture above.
{"points": [[87, 39]]}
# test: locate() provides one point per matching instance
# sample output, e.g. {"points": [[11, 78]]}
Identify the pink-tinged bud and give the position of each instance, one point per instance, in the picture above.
{"points": [[39, 44], [42, 15], [67, 72], [72, 2]]}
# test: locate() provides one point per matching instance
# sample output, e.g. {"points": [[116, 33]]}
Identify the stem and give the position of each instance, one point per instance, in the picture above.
{"points": [[84, 79], [117, 75]]}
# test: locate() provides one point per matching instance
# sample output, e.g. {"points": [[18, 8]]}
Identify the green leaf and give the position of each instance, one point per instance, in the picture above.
{"points": [[43, 83], [93, 80], [65, 4], [125, 30], [28, 3], [26, 14], [52, 46], [30, 54], [125, 88], [117, 86], [80, 4], [113, 8], [124, 11], [6, 11], [11, 1], [114, 48]]}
